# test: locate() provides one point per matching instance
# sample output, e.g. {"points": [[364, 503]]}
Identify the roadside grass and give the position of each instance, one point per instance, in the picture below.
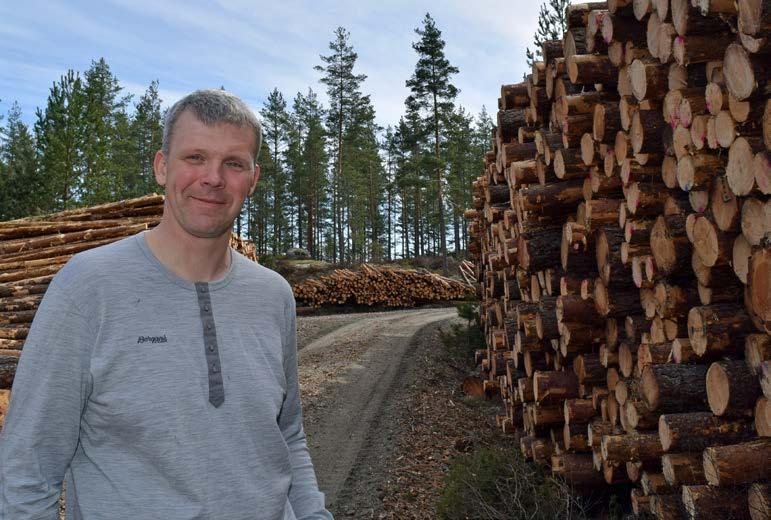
{"points": [[497, 483]]}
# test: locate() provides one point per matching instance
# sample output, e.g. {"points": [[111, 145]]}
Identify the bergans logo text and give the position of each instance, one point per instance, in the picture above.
{"points": [[152, 339]]}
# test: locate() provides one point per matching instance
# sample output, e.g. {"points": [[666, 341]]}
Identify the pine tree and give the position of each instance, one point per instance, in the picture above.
{"points": [[413, 161], [364, 185], [59, 138], [552, 23], [21, 192], [146, 139], [274, 124], [344, 98], [433, 93], [390, 149], [312, 179], [461, 168], [103, 107], [258, 209], [295, 169]]}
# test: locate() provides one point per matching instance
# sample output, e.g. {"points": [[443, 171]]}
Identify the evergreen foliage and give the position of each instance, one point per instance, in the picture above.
{"points": [[434, 96], [275, 129], [20, 183], [552, 24]]}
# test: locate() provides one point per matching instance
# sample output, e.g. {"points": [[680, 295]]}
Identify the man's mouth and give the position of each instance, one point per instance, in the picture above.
{"points": [[208, 200]]}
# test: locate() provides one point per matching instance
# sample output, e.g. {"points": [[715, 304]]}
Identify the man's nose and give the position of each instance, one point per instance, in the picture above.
{"points": [[214, 174]]}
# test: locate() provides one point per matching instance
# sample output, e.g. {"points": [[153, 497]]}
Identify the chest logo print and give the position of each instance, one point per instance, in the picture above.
{"points": [[152, 339]]}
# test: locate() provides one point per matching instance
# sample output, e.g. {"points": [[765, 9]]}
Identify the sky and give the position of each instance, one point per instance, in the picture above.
{"points": [[252, 46]]}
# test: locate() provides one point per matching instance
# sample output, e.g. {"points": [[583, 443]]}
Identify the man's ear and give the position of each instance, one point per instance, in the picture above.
{"points": [[159, 168], [256, 178]]}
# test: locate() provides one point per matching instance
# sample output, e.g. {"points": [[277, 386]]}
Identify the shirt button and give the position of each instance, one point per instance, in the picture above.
{"points": [[214, 368], [211, 347], [208, 326], [203, 289], [206, 308]]}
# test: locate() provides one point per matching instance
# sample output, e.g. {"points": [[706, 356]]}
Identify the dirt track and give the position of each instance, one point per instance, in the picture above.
{"points": [[352, 380]]}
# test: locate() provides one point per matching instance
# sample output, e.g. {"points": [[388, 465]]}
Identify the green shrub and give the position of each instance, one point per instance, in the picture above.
{"points": [[462, 340], [493, 483]]}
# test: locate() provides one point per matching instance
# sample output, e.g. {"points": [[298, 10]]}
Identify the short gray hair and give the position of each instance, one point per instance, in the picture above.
{"points": [[212, 107]]}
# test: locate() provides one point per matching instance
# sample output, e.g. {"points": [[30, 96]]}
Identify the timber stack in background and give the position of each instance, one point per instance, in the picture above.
{"points": [[622, 238], [383, 286]]}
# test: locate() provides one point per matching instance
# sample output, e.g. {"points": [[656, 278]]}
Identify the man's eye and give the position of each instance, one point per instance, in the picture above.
{"points": [[235, 164], [195, 157]]}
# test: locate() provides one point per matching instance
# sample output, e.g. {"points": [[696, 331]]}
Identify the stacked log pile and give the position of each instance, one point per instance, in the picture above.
{"points": [[378, 285], [32, 250], [622, 238]]}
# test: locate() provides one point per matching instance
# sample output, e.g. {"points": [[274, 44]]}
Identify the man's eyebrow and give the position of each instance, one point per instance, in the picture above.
{"points": [[239, 157]]}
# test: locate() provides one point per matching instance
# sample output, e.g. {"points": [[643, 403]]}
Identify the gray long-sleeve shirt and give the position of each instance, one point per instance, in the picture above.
{"points": [[158, 398]]}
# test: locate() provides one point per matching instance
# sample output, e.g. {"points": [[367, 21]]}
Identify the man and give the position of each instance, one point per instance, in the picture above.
{"points": [[160, 374]]}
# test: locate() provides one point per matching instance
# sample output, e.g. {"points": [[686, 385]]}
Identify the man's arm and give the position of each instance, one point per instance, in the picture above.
{"points": [[42, 427], [304, 495]]}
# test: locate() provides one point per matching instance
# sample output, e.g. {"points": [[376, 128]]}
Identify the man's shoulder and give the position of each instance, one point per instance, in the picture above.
{"points": [[104, 261], [262, 277]]}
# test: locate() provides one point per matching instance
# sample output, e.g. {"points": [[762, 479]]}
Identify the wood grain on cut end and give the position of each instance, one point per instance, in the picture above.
{"points": [[739, 171], [731, 387], [682, 469], [759, 283], [761, 171]]}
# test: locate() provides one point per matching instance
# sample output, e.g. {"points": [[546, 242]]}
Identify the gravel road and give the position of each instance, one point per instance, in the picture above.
{"points": [[353, 369]]}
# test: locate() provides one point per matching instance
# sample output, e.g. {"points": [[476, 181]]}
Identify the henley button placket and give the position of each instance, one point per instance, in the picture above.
{"points": [[216, 386]]}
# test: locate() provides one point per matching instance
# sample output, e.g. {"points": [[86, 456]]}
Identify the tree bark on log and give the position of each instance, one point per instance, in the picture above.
{"points": [[649, 79], [712, 502], [738, 463], [759, 286], [646, 131], [630, 447], [669, 244], [693, 431], [718, 328], [8, 363], [670, 388], [759, 500]]}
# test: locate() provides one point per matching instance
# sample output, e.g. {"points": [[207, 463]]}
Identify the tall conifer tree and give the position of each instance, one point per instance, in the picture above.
{"points": [[103, 106], [21, 187], [275, 120], [146, 140], [344, 98], [433, 92], [59, 138]]}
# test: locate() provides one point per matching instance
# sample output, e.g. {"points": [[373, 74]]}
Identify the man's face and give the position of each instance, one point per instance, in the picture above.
{"points": [[209, 172]]}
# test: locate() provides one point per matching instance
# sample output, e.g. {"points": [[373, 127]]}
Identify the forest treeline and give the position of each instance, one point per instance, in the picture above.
{"points": [[333, 181]]}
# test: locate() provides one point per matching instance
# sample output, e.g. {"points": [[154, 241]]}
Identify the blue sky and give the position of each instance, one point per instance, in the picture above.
{"points": [[252, 46]]}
